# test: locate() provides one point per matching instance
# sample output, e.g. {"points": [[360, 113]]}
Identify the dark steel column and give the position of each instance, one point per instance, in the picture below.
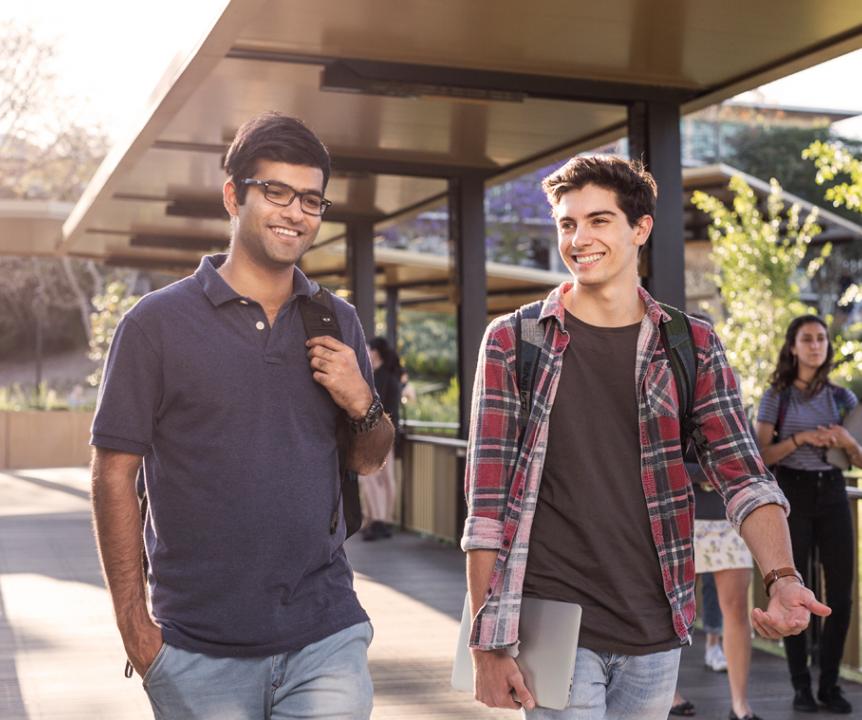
{"points": [[654, 137], [360, 270], [467, 258], [392, 316]]}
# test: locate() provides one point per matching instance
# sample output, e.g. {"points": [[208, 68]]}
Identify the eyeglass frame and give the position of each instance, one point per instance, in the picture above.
{"points": [[324, 203]]}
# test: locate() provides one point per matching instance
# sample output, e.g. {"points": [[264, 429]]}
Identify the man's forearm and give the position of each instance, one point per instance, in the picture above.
{"points": [[117, 521], [766, 533], [480, 567], [368, 450]]}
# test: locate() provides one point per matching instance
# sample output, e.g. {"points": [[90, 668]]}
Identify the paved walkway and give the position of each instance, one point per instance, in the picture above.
{"points": [[60, 655]]}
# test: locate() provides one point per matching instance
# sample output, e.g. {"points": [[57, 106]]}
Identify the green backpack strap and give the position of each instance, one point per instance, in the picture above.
{"points": [[530, 335], [319, 318], [679, 345]]}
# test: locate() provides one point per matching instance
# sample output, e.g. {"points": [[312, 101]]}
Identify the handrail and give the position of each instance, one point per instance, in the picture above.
{"points": [[459, 443], [854, 493], [436, 424]]}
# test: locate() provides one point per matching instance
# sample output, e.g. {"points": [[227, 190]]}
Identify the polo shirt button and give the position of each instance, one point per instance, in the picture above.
{"points": [[259, 325], [243, 302]]}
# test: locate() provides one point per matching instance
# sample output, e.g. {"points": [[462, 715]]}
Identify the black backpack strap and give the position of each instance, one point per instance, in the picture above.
{"points": [[783, 404], [839, 400], [679, 345], [318, 319], [318, 315], [528, 331]]}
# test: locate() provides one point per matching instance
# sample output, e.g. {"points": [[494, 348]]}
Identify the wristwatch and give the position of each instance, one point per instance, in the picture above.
{"points": [[774, 575], [370, 419]]}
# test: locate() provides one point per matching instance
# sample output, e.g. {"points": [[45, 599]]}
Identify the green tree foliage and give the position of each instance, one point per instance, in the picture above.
{"points": [[109, 309], [836, 164], [760, 263], [427, 344], [777, 151], [438, 406]]}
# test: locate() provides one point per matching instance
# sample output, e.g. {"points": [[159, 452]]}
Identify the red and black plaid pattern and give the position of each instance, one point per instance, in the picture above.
{"points": [[502, 484]]}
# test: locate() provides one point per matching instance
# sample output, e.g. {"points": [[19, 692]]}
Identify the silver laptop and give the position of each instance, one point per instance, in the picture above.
{"points": [[548, 642]]}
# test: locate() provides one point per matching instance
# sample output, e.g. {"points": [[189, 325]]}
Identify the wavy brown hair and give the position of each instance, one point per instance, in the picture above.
{"points": [[786, 369]]}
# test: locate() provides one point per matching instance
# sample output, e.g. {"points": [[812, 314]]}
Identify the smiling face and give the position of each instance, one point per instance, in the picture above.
{"points": [[269, 235], [595, 240], [811, 346]]}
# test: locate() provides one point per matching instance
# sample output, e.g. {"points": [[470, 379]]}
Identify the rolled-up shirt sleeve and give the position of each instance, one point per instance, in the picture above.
{"points": [[130, 393], [493, 441], [730, 458]]}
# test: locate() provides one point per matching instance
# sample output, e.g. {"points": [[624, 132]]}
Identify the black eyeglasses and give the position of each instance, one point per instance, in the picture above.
{"points": [[279, 193]]}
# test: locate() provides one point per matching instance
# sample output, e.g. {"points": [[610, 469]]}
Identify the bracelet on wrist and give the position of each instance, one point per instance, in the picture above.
{"points": [[775, 575], [793, 437]]}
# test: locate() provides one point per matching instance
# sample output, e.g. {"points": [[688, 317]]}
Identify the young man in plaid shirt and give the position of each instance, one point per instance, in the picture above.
{"points": [[597, 508]]}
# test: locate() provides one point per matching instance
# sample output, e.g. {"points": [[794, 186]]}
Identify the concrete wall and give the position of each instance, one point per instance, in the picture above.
{"points": [[38, 439]]}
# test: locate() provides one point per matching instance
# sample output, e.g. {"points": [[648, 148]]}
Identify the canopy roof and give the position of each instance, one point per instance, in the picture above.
{"points": [[410, 93]]}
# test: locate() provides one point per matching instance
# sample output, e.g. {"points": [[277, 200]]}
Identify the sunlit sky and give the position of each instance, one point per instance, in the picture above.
{"points": [[111, 54]]}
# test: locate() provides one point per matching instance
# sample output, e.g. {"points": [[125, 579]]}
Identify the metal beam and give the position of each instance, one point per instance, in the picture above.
{"points": [[407, 80], [654, 137], [410, 80], [404, 167], [360, 265], [467, 252], [197, 243]]}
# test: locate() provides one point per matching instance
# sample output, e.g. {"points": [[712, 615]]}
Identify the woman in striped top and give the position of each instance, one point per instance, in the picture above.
{"points": [[798, 420]]}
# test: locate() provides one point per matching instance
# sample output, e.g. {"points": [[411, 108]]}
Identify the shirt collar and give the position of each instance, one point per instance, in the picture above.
{"points": [[553, 305], [219, 292]]}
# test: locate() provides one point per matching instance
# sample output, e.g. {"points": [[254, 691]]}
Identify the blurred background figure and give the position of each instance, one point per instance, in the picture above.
{"points": [[377, 491], [798, 420], [724, 564]]}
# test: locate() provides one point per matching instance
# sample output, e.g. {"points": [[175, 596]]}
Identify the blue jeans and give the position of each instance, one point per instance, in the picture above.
{"points": [[608, 686], [327, 679], [712, 620]]}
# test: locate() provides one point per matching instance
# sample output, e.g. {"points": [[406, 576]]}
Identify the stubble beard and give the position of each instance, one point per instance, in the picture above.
{"points": [[261, 253]]}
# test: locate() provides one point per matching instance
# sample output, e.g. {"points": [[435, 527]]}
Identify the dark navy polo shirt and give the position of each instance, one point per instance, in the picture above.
{"points": [[240, 461]]}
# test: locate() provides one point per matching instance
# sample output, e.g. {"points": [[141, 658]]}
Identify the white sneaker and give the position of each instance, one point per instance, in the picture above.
{"points": [[714, 658]]}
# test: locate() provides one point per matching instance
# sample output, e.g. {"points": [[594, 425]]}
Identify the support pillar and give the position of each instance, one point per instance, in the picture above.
{"points": [[392, 317], [467, 257], [654, 137], [360, 264]]}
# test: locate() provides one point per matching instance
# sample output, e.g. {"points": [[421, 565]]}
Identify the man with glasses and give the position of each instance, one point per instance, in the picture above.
{"points": [[212, 383]]}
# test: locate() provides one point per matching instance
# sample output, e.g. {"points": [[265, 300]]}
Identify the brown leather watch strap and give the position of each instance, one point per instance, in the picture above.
{"points": [[773, 575]]}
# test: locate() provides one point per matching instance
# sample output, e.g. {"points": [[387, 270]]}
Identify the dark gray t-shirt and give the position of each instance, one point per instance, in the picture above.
{"points": [[591, 541], [241, 464]]}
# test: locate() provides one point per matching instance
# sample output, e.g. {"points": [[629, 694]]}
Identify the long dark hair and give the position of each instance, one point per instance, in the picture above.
{"points": [[390, 358], [785, 371]]}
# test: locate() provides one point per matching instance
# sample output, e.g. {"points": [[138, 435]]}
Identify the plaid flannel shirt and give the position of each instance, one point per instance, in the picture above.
{"points": [[502, 485]]}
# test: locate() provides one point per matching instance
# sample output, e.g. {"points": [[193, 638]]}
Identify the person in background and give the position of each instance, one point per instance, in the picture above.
{"points": [[377, 490], [721, 555], [798, 419]]}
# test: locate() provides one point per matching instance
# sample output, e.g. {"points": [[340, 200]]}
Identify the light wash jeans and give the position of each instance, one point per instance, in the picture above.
{"points": [[608, 686], [327, 679]]}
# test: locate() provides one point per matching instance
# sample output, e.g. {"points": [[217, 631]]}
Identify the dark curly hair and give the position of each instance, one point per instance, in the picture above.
{"points": [[635, 188], [786, 369]]}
